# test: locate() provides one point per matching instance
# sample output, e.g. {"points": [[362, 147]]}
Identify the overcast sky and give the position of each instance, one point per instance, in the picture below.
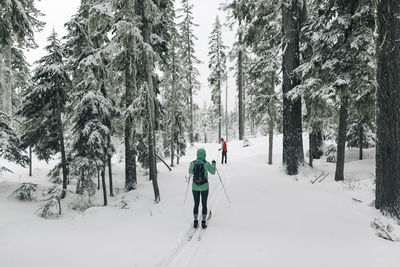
{"points": [[58, 12]]}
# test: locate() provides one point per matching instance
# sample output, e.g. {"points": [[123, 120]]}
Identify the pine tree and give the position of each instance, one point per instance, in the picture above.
{"points": [[44, 106], [186, 28], [91, 129], [344, 48], [10, 144], [388, 101], [217, 66], [237, 13], [263, 37], [18, 22], [175, 94], [125, 43], [292, 117]]}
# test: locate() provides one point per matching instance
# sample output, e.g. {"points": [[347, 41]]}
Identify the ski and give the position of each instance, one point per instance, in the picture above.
{"points": [[201, 234], [191, 233], [204, 229]]}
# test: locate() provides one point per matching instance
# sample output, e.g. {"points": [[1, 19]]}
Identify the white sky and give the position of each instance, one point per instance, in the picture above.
{"points": [[58, 12]]}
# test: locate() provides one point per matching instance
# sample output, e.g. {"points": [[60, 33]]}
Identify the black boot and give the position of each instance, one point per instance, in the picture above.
{"points": [[203, 224], [195, 223]]}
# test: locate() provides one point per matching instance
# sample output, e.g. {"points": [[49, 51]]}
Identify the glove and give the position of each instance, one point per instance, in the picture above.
{"points": [[219, 149], [213, 162]]}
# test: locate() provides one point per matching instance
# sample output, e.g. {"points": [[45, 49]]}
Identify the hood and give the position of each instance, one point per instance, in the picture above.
{"points": [[201, 154]]}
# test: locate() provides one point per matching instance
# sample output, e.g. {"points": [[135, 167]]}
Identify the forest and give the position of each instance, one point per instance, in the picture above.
{"points": [[123, 81]]}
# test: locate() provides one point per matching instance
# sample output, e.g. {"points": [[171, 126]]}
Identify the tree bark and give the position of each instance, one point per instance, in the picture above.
{"points": [[110, 176], [293, 154], [103, 182], [360, 140], [388, 106], [149, 70], [226, 110], [219, 110], [240, 85], [30, 161], [62, 149], [341, 142], [271, 140], [311, 148], [130, 154]]}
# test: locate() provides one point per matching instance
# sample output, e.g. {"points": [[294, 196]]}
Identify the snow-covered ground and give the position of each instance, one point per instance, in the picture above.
{"points": [[272, 220]]}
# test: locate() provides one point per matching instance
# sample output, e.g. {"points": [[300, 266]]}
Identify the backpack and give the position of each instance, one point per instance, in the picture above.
{"points": [[198, 173]]}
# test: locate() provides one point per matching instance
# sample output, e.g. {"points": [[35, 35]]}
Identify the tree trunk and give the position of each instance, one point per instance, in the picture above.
{"points": [[62, 149], [130, 154], [103, 182], [311, 145], [149, 70], [388, 106], [271, 140], [30, 161], [219, 110], [110, 176], [271, 121], [360, 140], [226, 110], [177, 156], [172, 152], [341, 142], [293, 154], [98, 179], [240, 85]]}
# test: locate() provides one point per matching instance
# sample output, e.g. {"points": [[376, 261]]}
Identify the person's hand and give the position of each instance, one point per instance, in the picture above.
{"points": [[213, 162]]}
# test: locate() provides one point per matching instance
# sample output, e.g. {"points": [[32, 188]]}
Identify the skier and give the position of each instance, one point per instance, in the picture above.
{"points": [[224, 151], [200, 168]]}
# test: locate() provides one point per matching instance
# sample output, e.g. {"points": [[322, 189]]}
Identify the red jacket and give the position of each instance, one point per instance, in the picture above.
{"points": [[224, 147]]}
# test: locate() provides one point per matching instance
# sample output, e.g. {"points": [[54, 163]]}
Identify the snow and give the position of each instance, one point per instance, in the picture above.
{"points": [[272, 220]]}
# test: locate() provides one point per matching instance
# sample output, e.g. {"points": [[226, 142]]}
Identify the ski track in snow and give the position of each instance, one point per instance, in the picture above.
{"points": [[272, 220], [186, 250]]}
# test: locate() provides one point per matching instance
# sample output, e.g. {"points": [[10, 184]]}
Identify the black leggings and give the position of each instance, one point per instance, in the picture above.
{"points": [[204, 196], [224, 156]]}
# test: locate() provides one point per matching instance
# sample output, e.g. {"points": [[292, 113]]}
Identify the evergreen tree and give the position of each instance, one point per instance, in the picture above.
{"points": [[217, 66], [263, 37], [43, 107], [175, 94], [186, 28], [18, 22], [388, 101], [91, 129], [237, 10], [345, 48]]}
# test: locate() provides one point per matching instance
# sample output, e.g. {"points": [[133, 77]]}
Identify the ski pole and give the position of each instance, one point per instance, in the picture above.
{"points": [[187, 187], [223, 187]]}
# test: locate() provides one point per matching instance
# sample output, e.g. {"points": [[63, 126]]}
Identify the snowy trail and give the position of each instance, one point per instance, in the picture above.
{"points": [[276, 221], [272, 220]]}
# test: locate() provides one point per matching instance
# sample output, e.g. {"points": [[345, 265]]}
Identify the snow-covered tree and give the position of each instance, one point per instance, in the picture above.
{"points": [[43, 106], [18, 22], [87, 42], [175, 93], [186, 30], [263, 37], [340, 41], [237, 10], [217, 66]]}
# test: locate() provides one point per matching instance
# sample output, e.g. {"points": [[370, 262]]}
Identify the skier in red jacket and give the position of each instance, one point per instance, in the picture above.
{"points": [[224, 151]]}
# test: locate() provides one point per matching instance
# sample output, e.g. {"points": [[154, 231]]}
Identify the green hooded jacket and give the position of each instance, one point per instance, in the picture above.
{"points": [[208, 168]]}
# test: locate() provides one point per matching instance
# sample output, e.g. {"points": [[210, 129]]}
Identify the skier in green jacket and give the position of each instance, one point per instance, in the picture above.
{"points": [[200, 169]]}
